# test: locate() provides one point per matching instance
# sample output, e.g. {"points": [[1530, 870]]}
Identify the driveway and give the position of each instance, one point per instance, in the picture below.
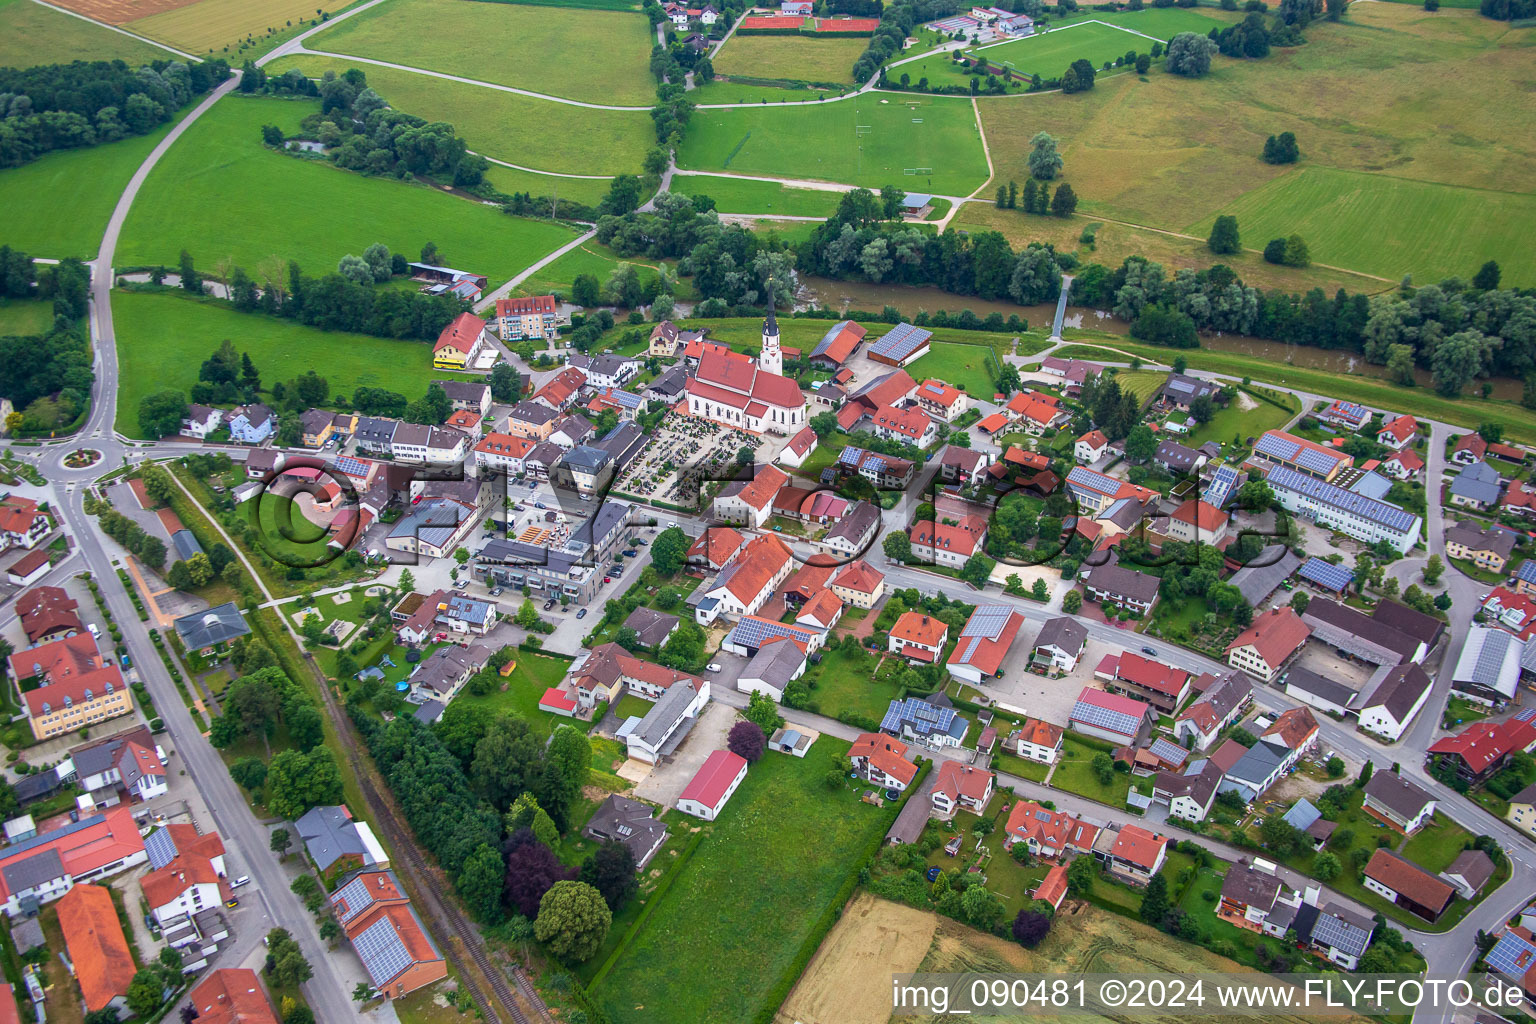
{"points": [[667, 781]]}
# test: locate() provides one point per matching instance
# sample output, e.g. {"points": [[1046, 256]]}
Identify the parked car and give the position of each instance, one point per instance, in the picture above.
{"points": [[242, 880], [1149, 651], [581, 613], [460, 584], [495, 591], [712, 667], [95, 630], [549, 604], [630, 553]]}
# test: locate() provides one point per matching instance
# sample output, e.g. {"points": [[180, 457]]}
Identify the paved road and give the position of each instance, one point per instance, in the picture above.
{"points": [[489, 302]]}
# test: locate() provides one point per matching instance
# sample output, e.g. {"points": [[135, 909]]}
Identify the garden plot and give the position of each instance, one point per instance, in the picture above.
{"points": [[684, 452]]}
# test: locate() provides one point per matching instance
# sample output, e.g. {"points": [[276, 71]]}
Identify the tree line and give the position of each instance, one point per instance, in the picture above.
{"points": [[47, 377], [68, 106]]}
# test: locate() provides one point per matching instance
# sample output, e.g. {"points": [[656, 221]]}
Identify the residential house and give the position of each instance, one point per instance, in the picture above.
{"points": [[1221, 702], [433, 446], [1394, 702], [1255, 899], [251, 424], [1469, 449], [1261, 766], [561, 390], [745, 584], [200, 421], [912, 425], [447, 613], [79, 686], [1037, 740], [651, 626], [502, 453], [1484, 748], [1111, 717], [533, 420], [959, 787], [606, 370], [1401, 804], [1180, 389], [1408, 885], [1136, 854], [23, 524], [1090, 448], [609, 670], [666, 337], [750, 502], [1195, 522], [1037, 411], [918, 637], [377, 918], [942, 401], [231, 995], [618, 819], [886, 472], [859, 584], [570, 431], [1059, 644], [337, 842], [1177, 459], [1469, 873], [882, 760], [715, 547], [917, 721], [772, 669], [529, 316], [42, 868], [669, 388], [459, 345], [126, 766], [442, 674], [29, 568], [650, 738], [98, 949], [189, 882], [1477, 487], [1404, 465], [1398, 433], [854, 532], [798, 449], [984, 640], [374, 436], [1047, 833], [717, 779], [1162, 686], [1522, 810], [1345, 416], [467, 395], [1488, 549], [1114, 584], [47, 613], [1264, 647]]}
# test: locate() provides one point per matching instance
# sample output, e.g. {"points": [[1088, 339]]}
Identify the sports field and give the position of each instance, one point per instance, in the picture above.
{"points": [[739, 195], [519, 129], [219, 193], [86, 182], [545, 49], [714, 947], [1392, 226], [33, 34], [872, 141], [581, 190], [162, 339], [795, 58], [208, 25], [1196, 151]]}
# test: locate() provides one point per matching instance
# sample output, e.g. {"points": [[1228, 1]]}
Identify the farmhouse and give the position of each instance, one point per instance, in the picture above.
{"points": [[714, 783], [460, 343], [750, 502], [748, 580], [1264, 647], [1398, 802], [1407, 885]]}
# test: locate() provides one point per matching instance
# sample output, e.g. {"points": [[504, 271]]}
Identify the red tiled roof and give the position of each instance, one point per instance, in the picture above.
{"points": [[189, 840], [1471, 442], [993, 423], [824, 607], [714, 777], [1205, 518], [97, 946], [43, 610], [17, 514], [464, 419], [847, 24], [506, 445], [1293, 727], [554, 697], [85, 849], [1506, 451], [959, 780], [1401, 428], [1408, 879], [1040, 732], [759, 491], [859, 576], [716, 545], [886, 753], [525, 304], [802, 442], [1095, 439], [910, 423], [985, 654], [232, 995], [1053, 886], [1407, 458], [1056, 829], [842, 346], [962, 539], [938, 392], [1137, 845], [917, 628], [72, 666], [165, 885], [1151, 675], [1482, 744], [1275, 635], [461, 334], [756, 565]]}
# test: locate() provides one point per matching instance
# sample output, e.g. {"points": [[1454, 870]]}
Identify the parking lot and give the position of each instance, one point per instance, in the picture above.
{"points": [[1042, 697], [666, 782]]}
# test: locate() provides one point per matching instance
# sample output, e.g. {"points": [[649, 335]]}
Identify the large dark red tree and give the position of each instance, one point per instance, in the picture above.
{"points": [[532, 868], [1030, 927], [746, 741]]}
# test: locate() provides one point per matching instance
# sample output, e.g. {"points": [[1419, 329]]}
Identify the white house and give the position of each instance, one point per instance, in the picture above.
{"points": [[1060, 644], [798, 449], [774, 667], [882, 760], [748, 580], [706, 795], [961, 787], [1090, 448], [1038, 740], [646, 738], [200, 421], [1394, 703]]}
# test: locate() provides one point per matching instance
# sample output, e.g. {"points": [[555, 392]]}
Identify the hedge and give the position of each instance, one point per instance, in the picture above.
{"points": [[652, 902]]}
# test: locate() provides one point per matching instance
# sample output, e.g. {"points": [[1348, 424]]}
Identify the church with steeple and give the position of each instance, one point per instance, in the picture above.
{"points": [[732, 389]]}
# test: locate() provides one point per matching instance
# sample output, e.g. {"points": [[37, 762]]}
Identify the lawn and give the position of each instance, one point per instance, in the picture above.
{"points": [[1196, 150], [720, 91], [582, 190], [86, 182], [1235, 420], [213, 24], [1391, 226], [534, 674], [591, 257], [928, 144], [32, 34], [1434, 846], [791, 58], [967, 367], [25, 316], [1141, 383], [1049, 53], [1074, 773], [1519, 423], [162, 340], [631, 706], [221, 193], [741, 195], [847, 683], [736, 918], [544, 49], [497, 123]]}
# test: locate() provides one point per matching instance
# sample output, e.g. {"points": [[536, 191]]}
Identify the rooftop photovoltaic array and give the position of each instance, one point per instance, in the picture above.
{"points": [[352, 467], [1326, 574], [1340, 934], [987, 620], [1104, 718], [1379, 512], [381, 950], [355, 896], [916, 711], [1168, 750], [1512, 956], [1490, 657], [1219, 491], [901, 342], [160, 847], [1289, 449], [756, 632]]}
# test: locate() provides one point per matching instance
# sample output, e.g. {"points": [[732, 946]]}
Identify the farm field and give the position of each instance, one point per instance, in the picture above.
{"points": [[794, 58], [162, 339], [87, 182], [741, 195], [1114, 241], [1048, 55], [496, 123], [869, 141], [209, 25], [207, 193], [25, 316], [581, 190], [32, 34], [743, 92], [1197, 150], [1392, 226], [714, 947], [475, 40]]}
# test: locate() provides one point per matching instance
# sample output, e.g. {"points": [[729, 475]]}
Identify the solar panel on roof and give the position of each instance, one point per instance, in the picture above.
{"points": [[987, 620], [160, 848], [356, 898], [901, 342], [1379, 512], [849, 456], [381, 950], [1326, 574], [1332, 931], [1219, 490], [756, 632], [1168, 750], [1105, 718], [1512, 955], [1276, 447]]}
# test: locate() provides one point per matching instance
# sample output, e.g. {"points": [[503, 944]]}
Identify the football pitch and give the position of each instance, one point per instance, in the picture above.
{"points": [[921, 144]]}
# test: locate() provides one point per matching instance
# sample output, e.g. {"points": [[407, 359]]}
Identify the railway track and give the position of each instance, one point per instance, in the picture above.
{"points": [[442, 913]]}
